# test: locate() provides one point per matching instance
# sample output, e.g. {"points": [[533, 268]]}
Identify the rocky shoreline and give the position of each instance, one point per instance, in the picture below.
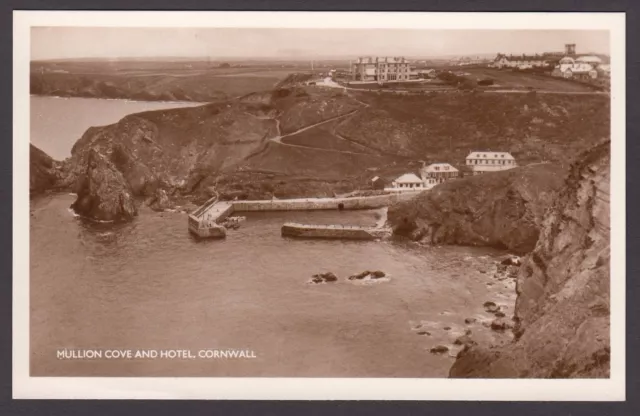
{"points": [[562, 310]]}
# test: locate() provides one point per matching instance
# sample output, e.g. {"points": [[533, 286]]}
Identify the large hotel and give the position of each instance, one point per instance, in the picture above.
{"points": [[381, 69]]}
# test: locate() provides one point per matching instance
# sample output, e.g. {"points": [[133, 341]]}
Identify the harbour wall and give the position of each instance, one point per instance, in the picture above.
{"points": [[348, 232], [309, 204], [204, 222]]}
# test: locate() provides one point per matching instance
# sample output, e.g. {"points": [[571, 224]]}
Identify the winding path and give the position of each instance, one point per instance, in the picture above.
{"points": [[278, 139]]}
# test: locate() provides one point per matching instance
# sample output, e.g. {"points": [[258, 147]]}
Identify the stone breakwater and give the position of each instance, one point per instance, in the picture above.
{"points": [[349, 232], [205, 221]]}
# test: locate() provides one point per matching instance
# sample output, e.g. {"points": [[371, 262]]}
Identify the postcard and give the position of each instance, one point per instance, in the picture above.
{"points": [[314, 205]]}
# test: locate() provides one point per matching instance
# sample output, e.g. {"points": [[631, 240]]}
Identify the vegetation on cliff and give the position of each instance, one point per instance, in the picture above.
{"points": [[502, 209], [445, 127], [562, 310]]}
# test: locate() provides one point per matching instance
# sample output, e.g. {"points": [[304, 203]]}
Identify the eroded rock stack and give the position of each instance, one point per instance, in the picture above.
{"points": [[103, 193], [562, 310]]}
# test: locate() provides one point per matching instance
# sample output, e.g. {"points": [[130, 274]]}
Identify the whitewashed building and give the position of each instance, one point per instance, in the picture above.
{"points": [[439, 172], [409, 182], [482, 162]]}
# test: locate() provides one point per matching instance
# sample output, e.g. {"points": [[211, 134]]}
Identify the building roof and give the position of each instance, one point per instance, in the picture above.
{"points": [[439, 167], [589, 59], [408, 178], [491, 155], [521, 57], [581, 68]]}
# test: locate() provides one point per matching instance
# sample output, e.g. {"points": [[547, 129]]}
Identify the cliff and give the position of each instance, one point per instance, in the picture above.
{"points": [[502, 209], [42, 171], [562, 310]]}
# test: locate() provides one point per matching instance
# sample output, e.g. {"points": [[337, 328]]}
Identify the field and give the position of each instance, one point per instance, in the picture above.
{"points": [[508, 79], [157, 81]]}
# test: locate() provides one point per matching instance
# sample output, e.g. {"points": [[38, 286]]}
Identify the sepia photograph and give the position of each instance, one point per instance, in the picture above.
{"points": [[419, 202]]}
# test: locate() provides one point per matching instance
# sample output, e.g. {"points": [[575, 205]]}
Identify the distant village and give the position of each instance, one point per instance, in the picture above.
{"points": [[476, 163], [567, 64]]}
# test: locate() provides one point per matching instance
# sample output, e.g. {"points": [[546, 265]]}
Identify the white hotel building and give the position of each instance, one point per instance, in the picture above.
{"points": [[482, 162]]}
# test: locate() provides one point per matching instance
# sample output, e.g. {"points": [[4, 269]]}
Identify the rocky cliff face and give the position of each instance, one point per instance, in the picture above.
{"points": [[42, 171], [103, 193], [562, 310], [501, 209]]}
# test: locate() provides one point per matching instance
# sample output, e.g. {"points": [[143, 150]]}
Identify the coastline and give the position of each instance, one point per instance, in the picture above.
{"points": [[66, 97]]}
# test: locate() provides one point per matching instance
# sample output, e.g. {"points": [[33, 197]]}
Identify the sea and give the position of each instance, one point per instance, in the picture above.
{"points": [[101, 293]]}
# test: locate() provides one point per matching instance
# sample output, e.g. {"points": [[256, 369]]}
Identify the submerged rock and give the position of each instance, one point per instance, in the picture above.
{"points": [[102, 192], [439, 349], [324, 278], [491, 307], [367, 274], [511, 261], [500, 325], [464, 340]]}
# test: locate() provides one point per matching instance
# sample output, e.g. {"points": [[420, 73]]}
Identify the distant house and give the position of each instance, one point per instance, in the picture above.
{"points": [[427, 73], [440, 172], [482, 162], [408, 182], [377, 182], [520, 61]]}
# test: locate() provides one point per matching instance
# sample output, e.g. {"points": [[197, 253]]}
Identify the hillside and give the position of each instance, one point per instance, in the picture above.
{"points": [[311, 141], [446, 126], [501, 209], [562, 310]]}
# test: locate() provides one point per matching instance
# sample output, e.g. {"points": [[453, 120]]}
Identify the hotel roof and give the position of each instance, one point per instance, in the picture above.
{"points": [[408, 178], [491, 155], [440, 167]]}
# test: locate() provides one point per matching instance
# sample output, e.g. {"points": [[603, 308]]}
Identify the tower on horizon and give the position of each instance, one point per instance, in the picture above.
{"points": [[570, 49]]}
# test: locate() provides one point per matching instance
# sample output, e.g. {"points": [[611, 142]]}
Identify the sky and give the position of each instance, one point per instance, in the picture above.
{"points": [[109, 42]]}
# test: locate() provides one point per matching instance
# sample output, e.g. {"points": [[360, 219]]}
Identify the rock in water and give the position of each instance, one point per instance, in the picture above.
{"points": [[323, 277], [359, 276], [439, 349], [161, 201], [103, 194], [491, 307], [562, 309]]}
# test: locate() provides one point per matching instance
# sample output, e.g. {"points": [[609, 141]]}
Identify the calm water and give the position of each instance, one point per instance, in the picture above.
{"points": [[57, 123], [150, 285]]}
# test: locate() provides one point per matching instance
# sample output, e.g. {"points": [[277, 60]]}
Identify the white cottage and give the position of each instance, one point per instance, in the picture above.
{"points": [[408, 182], [482, 162]]}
